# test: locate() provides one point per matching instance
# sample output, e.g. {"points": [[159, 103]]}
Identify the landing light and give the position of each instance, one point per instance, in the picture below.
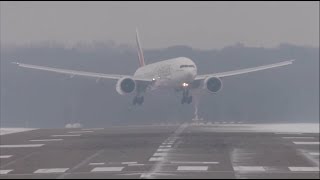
{"points": [[153, 79], [185, 84]]}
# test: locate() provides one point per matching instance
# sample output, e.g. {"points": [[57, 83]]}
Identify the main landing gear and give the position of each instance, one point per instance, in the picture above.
{"points": [[185, 97], [138, 100]]}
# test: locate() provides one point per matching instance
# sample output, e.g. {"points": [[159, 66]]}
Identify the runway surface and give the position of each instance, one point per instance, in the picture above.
{"points": [[175, 151]]}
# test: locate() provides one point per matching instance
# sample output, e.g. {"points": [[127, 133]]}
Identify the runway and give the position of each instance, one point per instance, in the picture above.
{"points": [[169, 151]]}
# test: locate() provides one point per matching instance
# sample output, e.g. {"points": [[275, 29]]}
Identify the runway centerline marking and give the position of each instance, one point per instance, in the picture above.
{"points": [[106, 169], [5, 171], [192, 168], [48, 140], [304, 168], [21, 145], [51, 170], [5, 156], [306, 143]]}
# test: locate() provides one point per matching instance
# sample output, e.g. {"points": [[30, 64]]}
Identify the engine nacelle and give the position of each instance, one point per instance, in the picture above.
{"points": [[212, 84], [125, 85]]}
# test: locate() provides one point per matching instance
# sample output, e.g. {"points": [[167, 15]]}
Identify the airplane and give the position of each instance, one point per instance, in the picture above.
{"points": [[178, 73]]}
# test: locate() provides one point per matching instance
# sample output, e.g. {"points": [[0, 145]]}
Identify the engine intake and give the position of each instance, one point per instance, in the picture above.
{"points": [[213, 84], [125, 85]]}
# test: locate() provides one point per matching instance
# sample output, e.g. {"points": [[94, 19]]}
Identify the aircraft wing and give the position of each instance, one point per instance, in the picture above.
{"points": [[242, 71], [79, 73]]}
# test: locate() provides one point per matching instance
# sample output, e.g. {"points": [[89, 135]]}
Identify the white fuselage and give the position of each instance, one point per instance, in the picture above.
{"points": [[169, 73]]}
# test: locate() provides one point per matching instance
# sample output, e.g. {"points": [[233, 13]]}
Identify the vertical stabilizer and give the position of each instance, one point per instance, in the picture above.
{"points": [[140, 52]]}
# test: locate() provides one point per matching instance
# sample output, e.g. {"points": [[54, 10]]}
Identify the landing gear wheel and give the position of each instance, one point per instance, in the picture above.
{"points": [[141, 99], [189, 99]]}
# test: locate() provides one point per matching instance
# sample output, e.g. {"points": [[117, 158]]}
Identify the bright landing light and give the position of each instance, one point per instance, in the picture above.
{"points": [[185, 84]]}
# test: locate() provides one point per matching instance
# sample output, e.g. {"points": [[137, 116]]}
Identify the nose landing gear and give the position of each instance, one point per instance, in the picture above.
{"points": [[185, 97]]}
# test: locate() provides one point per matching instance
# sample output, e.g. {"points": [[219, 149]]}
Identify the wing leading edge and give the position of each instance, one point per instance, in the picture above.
{"points": [[242, 71], [79, 73]]}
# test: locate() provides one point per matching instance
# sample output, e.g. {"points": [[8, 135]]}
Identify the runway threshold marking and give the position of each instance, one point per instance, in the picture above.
{"points": [[192, 162], [65, 135], [304, 168], [163, 150], [5, 171], [156, 159], [306, 143], [167, 146], [160, 154], [129, 162], [192, 168], [46, 140], [51, 170], [5, 156], [93, 164], [21, 145], [248, 168], [106, 169]]}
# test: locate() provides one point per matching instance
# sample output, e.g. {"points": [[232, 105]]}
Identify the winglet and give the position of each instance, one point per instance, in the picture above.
{"points": [[140, 52]]}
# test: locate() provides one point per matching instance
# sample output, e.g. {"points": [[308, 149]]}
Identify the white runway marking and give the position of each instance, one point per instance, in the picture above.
{"points": [[51, 170], [5, 156], [304, 168], [129, 163], [135, 164], [66, 135], [192, 168], [168, 146], [192, 162], [248, 168], [79, 132], [89, 129], [156, 159], [298, 137], [21, 145], [5, 171], [164, 150], [314, 153], [289, 133], [106, 169], [93, 164], [160, 154], [306, 143], [46, 140]]}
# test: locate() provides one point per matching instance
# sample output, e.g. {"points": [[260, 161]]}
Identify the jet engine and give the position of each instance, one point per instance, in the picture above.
{"points": [[212, 84], [125, 85]]}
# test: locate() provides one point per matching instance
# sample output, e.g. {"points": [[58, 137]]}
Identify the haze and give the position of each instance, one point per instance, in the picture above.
{"points": [[204, 25]]}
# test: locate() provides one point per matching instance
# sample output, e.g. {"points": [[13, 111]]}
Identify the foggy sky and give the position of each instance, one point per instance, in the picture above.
{"points": [[204, 25]]}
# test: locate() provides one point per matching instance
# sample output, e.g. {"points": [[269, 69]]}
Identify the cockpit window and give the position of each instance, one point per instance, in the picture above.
{"points": [[185, 66]]}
